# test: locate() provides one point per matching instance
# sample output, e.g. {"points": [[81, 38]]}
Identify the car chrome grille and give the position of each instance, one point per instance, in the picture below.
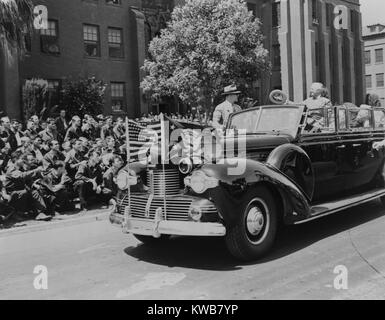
{"points": [[163, 182], [144, 206]]}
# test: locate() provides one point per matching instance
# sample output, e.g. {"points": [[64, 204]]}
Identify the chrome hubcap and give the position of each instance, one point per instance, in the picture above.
{"points": [[255, 221]]}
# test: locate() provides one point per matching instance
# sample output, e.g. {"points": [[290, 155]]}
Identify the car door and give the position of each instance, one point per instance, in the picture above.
{"points": [[362, 162], [326, 153]]}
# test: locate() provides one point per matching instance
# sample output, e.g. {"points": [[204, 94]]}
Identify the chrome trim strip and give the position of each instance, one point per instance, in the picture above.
{"points": [[369, 197]]}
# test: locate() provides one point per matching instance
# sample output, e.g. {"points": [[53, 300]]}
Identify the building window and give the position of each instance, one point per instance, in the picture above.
{"points": [[368, 81], [368, 59], [380, 80], [49, 38], [115, 2], [115, 43], [91, 40], [277, 55], [117, 96], [276, 14], [379, 55]]}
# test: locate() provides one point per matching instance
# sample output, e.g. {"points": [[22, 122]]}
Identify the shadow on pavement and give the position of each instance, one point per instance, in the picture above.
{"points": [[211, 253]]}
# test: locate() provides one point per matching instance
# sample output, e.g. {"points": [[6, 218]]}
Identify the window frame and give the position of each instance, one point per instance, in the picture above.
{"points": [[54, 38], [122, 53], [382, 55], [383, 80], [85, 42], [121, 98]]}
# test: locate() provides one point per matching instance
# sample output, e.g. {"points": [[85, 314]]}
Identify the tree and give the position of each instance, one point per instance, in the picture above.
{"points": [[84, 96], [16, 20], [34, 93], [207, 45]]}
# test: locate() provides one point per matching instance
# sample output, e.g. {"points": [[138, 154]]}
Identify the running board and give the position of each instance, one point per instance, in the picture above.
{"points": [[324, 209]]}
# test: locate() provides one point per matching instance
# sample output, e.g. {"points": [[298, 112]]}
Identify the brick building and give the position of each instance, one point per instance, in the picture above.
{"points": [[105, 39], [108, 38], [374, 37]]}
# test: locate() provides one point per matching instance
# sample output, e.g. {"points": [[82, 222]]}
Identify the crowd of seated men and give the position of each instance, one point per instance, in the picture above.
{"points": [[49, 164]]}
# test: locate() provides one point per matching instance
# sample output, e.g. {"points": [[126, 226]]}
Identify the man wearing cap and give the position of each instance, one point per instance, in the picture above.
{"points": [[223, 111]]}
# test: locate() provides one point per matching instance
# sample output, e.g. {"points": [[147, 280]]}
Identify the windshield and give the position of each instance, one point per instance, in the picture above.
{"points": [[268, 119]]}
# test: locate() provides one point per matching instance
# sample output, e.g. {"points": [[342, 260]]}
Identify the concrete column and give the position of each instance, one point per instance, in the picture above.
{"points": [[325, 37], [351, 83], [285, 43], [339, 80], [359, 62], [139, 39], [298, 50], [310, 59]]}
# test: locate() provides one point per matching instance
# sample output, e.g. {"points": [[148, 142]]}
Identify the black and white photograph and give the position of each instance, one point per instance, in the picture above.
{"points": [[192, 151]]}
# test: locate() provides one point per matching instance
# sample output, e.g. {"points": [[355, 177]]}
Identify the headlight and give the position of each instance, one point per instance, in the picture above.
{"points": [[125, 179], [185, 166], [195, 214], [200, 182]]}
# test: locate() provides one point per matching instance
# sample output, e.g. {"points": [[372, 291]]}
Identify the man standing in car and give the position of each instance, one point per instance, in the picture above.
{"points": [[226, 108]]}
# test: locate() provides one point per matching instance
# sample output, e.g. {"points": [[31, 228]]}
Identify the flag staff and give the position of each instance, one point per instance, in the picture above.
{"points": [[127, 212], [163, 159]]}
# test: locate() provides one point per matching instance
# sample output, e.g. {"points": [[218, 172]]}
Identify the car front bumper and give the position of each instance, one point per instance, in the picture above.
{"points": [[156, 227]]}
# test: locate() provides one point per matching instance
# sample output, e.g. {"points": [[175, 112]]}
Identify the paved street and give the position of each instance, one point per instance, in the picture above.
{"points": [[94, 260]]}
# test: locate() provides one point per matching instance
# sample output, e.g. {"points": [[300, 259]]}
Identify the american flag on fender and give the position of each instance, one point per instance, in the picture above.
{"points": [[141, 137]]}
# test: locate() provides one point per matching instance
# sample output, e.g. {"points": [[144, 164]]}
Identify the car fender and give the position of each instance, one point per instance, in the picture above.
{"points": [[294, 162], [228, 195]]}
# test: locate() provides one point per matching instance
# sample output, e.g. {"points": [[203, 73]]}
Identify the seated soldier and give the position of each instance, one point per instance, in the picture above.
{"points": [[5, 210], [89, 182], [54, 188], [74, 159], [19, 185], [53, 155], [111, 174]]}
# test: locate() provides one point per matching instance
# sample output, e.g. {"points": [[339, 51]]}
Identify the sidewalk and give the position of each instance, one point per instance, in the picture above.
{"points": [[77, 217]]}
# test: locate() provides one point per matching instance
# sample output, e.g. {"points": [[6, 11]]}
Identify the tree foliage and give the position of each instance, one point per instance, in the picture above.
{"points": [[84, 96], [34, 94], [16, 19], [207, 45]]}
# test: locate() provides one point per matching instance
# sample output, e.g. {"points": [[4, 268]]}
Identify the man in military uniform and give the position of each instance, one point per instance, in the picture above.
{"points": [[89, 182], [75, 158], [19, 186], [54, 189], [226, 108], [53, 155]]}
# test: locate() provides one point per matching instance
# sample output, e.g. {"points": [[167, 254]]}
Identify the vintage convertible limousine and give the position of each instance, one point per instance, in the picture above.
{"points": [[300, 165]]}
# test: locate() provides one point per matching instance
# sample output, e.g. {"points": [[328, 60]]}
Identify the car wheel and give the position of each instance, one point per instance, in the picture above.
{"points": [[254, 233], [152, 240]]}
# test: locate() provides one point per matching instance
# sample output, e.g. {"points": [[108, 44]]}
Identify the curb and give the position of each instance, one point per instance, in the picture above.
{"points": [[55, 224]]}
